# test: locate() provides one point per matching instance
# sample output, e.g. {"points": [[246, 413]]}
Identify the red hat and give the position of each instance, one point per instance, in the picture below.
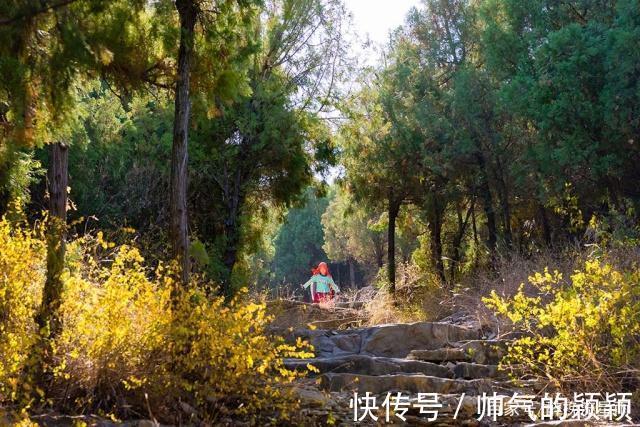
{"points": [[323, 269]]}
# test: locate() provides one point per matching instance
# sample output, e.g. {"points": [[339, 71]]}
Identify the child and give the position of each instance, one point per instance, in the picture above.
{"points": [[324, 286]]}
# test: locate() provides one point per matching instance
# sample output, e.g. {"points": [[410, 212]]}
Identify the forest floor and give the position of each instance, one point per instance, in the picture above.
{"points": [[456, 358]]}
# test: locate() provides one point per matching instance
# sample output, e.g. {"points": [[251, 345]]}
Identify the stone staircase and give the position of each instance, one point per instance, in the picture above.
{"points": [[425, 357]]}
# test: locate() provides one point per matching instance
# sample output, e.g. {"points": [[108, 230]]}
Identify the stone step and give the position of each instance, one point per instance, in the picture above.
{"points": [[340, 323], [369, 365], [472, 371], [394, 340], [439, 355], [410, 383]]}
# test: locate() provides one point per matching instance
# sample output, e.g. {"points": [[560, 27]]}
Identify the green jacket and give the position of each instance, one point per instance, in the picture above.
{"points": [[323, 283]]}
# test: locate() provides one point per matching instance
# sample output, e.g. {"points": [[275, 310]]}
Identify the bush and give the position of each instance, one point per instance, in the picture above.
{"points": [[115, 322], [128, 348], [225, 362], [22, 275], [584, 332]]}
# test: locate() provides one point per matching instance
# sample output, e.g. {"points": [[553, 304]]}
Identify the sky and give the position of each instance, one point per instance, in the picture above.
{"points": [[372, 20], [375, 18]]}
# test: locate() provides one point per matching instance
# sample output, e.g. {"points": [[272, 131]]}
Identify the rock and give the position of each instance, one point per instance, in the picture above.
{"points": [[471, 371], [369, 365], [486, 351], [337, 323], [439, 355], [357, 305], [398, 340], [450, 402], [347, 343], [311, 398], [463, 318], [188, 409], [395, 340], [400, 358], [411, 383]]}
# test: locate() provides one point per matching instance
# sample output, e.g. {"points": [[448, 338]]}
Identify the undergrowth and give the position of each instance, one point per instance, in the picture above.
{"points": [[581, 330], [128, 348]]}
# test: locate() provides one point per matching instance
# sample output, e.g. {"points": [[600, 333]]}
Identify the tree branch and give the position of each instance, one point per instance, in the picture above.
{"points": [[34, 12]]}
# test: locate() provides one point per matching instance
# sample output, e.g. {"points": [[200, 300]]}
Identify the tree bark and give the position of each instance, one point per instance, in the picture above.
{"points": [[546, 228], [457, 240], [48, 317], [5, 174], [394, 209], [487, 202], [234, 196], [352, 274], [476, 243], [435, 227], [230, 256], [179, 231], [505, 208]]}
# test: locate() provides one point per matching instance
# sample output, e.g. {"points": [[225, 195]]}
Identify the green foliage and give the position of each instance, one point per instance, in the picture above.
{"points": [[258, 152], [574, 79], [119, 156], [299, 242], [198, 252], [504, 124], [374, 160], [21, 172], [350, 232], [40, 73]]}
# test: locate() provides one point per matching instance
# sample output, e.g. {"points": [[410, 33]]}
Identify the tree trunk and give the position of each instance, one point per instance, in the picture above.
{"points": [[474, 225], [457, 240], [394, 209], [546, 228], [506, 213], [352, 274], [505, 209], [491, 219], [506, 218], [234, 199], [5, 173], [487, 202], [187, 11], [48, 316], [230, 256], [56, 233], [435, 227], [378, 249]]}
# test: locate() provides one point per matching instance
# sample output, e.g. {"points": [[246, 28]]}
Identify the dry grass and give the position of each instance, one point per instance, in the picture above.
{"points": [[509, 273], [291, 314], [420, 297]]}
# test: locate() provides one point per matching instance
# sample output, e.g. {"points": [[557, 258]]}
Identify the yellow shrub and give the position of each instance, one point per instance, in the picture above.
{"points": [[223, 359], [114, 320], [127, 347], [22, 274], [583, 332]]}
